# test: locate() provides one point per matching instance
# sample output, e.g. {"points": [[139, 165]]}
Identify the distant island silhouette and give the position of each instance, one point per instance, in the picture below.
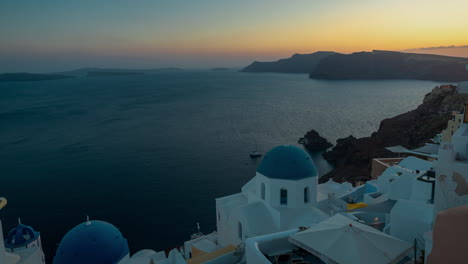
{"points": [[375, 65], [221, 69], [113, 73], [82, 72], [117, 71], [29, 77]]}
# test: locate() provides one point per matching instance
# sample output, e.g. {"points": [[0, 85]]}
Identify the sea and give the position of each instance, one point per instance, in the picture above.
{"points": [[150, 153]]}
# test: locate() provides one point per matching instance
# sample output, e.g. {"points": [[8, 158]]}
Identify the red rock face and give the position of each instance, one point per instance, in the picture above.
{"points": [[353, 157]]}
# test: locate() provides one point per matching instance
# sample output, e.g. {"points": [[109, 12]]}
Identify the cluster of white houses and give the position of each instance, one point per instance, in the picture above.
{"points": [[414, 208]]}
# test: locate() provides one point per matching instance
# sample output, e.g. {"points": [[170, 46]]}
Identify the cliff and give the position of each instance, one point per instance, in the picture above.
{"points": [[352, 157], [298, 63], [375, 65], [391, 65]]}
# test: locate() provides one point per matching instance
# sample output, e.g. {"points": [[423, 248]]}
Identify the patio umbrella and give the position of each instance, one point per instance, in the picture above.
{"points": [[342, 240]]}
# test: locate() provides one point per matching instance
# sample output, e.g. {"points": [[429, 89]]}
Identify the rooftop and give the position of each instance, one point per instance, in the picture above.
{"points": [[288, 163]]}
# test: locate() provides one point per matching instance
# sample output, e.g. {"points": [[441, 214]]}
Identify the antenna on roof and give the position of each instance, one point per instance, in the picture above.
{"points": [[87, 220], [198, 227]]}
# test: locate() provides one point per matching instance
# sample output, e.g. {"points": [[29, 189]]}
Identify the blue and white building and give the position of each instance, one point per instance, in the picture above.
{"points": [[22, 244], [93, 242], [282, 213], [281, 196]]}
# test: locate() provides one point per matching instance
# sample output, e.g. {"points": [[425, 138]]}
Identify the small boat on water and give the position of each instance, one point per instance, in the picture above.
{"points": [[255, 154]]}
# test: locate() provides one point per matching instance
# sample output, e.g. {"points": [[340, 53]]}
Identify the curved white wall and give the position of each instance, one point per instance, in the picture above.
{"points": [[295, 189], [276, 243]]}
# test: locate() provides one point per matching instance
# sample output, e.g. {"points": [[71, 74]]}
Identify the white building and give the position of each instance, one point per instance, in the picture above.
{"points": [[276, 205], [281, 196], [453, 125], [93, 242], [5, 257], [101, 242], [452, 170], [25, 242], [22, 244]]}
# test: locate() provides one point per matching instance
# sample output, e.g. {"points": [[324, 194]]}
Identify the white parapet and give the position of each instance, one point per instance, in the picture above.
{"points": [[273, 244], [3, 202], [2, 246]]}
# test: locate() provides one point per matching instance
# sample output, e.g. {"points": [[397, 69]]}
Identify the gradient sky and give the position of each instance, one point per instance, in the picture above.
{"points": [[54, 35]]}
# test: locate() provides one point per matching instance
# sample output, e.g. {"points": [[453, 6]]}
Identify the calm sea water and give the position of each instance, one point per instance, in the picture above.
{"points": [[151, 153]]}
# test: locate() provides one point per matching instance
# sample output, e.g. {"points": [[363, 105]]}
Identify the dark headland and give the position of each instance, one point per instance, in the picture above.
{"points": [[352, 156], [298, 63], [375, 65], [30, 77]]}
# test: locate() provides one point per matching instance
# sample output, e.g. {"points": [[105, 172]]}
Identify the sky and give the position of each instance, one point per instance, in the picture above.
{"points": [[56, 35]]}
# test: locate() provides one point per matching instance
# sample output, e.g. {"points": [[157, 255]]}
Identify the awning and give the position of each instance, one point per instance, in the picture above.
{"points": [[342, 240]]}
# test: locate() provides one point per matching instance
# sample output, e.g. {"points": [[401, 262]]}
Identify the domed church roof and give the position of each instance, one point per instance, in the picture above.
{"points": [[92, 242], [288, 163], [20, 236]]}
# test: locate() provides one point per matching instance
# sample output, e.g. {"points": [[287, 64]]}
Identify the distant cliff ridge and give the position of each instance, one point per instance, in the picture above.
{"points": [[391, 65], [298, 63], [375, 65]]}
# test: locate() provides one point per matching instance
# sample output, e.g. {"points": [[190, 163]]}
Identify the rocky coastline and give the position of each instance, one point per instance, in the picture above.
{"points": [[312, 141], [352, 157]]}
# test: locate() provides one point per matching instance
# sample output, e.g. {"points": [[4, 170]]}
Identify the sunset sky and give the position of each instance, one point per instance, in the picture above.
{"points": [[54, 35]]}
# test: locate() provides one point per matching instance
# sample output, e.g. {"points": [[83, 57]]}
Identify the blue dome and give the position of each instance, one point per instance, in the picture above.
{"points": [[288, 163], [92, 242], [20, 236]]}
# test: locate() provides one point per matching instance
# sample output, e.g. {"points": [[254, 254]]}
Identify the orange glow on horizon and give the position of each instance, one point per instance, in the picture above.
{"points": [[271, 31]]}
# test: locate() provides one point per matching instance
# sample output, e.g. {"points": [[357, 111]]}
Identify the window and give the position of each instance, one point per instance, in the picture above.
{"points": [[465, 119], [283, 196], [239, 230], [263, 191], [306, 195]]}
